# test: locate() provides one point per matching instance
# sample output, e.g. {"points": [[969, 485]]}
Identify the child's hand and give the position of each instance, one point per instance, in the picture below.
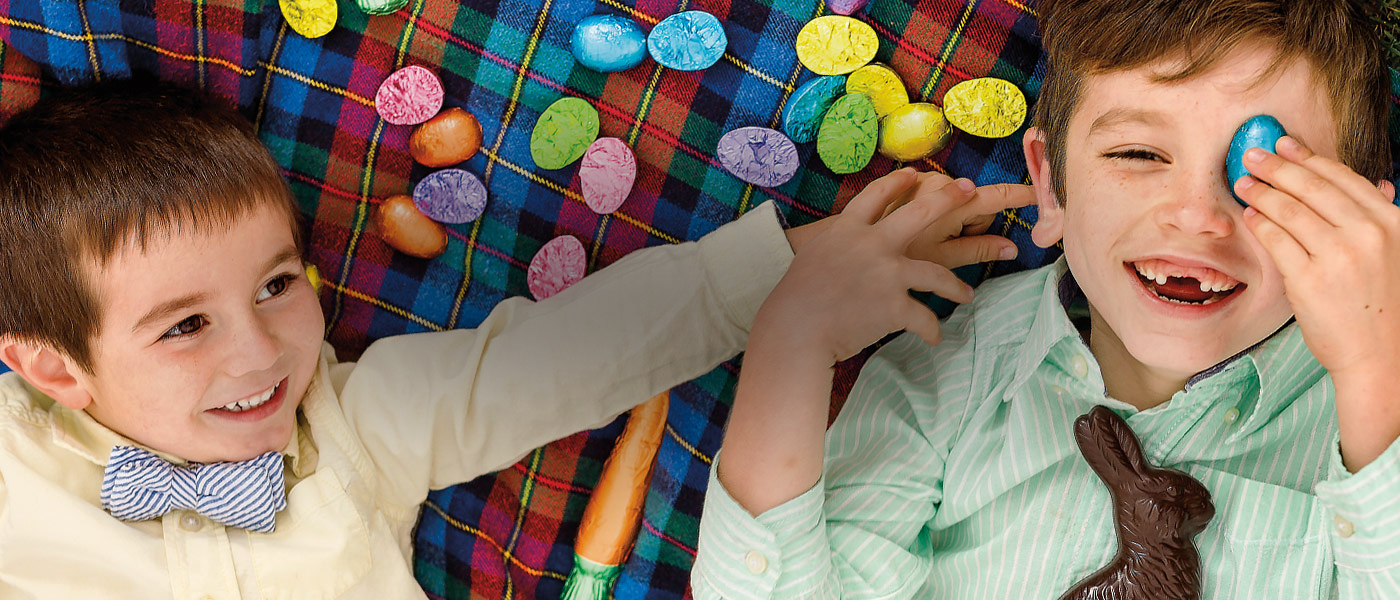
{"points": [[1335, 238], [848, 285]]}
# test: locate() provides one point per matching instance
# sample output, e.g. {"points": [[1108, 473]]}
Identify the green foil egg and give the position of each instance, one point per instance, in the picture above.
{"points": [[563, 133], [849, 134], [380, 7]]}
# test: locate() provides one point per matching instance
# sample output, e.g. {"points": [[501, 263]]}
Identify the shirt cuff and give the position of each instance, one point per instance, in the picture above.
{"points": [[776, 554], [1366, 510], [745, 259]]}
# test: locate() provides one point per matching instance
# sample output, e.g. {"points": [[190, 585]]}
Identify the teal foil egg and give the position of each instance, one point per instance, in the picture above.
{"points": [[803, 116], [1262, 131], [609, 43]]}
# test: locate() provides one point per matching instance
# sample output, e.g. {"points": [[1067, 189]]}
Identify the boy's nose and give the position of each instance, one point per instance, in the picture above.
{"points": [[1201, 207], [253, 349]]}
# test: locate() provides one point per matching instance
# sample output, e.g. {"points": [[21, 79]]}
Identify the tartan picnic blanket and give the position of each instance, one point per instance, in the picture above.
{"points": [[510, 534]]}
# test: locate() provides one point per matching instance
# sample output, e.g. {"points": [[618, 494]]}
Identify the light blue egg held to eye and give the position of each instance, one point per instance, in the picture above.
{"points": [[609, 43], [1262, 131]]}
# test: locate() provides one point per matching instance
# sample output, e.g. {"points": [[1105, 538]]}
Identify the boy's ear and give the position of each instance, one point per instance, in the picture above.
{"points": [[1050, 225], [46, 369]]}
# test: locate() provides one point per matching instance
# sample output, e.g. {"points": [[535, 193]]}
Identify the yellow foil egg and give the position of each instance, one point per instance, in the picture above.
{"points": [[881, 84], [313, 276], [836, 45], [310, 18], [914, 131], [985, 107]]}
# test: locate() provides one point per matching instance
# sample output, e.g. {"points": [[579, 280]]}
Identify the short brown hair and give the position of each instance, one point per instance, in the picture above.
{"points": [[1091, 37], [91, 169]]}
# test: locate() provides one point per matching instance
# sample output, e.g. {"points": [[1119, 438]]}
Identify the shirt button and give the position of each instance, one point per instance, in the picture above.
{"points": [[1344, 527], [191, 522], [1059, 392], [1081, 366], [756, 562], [1232, 415]]}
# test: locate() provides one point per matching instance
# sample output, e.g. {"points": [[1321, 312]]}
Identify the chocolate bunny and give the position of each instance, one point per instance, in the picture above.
{"points": [[1157, 511]]}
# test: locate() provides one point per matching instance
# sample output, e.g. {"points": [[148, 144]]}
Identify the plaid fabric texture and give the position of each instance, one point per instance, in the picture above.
{"points": [[509, 535]]}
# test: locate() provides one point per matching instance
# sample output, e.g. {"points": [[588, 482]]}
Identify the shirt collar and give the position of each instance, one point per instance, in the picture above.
{"points": [[1281, 365]]}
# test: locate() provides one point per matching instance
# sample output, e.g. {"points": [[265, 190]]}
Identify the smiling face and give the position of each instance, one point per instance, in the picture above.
{"points": [[208, 340], [1151, 232]]}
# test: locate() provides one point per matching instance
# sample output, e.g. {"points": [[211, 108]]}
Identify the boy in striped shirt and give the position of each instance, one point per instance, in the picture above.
{"points": [[1254, 348]]}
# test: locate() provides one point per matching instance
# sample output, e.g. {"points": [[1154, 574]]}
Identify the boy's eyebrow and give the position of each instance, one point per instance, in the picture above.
{"points": [[1125, 115], [165, 308]]}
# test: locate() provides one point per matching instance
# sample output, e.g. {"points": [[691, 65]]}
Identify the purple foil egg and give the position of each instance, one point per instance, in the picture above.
{"points": [[846, 7], [450, 196], [758, 155]]}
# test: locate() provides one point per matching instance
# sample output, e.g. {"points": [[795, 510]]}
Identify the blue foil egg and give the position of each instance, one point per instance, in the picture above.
{"points": [[802, 117], [1262, 131], [609, 43], [688, 41]]}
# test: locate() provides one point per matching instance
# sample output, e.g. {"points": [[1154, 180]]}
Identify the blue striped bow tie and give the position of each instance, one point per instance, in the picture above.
{"points": [[139, 485]]}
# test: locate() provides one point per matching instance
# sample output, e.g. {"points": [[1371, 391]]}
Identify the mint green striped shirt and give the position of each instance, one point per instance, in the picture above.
{"points": [[952, 472]]}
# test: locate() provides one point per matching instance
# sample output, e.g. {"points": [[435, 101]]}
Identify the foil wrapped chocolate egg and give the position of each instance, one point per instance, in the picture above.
{"points": [[1261, 131], [380, 7], [454, 135], [688, 41], [914, 131], [608, 43], [850, 131], [985, 107], [881, 84], [758, 155], [606, 174], [408, 230], [836, 45], [846, 7], [802, 116], [409, 96], [559, 264], [310, 18], [563, 133], [450, 196]]}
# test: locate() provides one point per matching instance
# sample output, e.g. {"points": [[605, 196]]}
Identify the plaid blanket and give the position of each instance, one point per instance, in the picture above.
{"points": [[509, 535]]}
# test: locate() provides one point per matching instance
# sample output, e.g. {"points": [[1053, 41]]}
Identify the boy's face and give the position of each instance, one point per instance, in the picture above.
{"points": [[1146, 199], [196, 323]]}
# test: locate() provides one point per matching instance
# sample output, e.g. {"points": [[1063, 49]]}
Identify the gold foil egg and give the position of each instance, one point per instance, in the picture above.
{"points": [[985, 107], [881, 84], [836, 45], [914, 131], [310, 18]]}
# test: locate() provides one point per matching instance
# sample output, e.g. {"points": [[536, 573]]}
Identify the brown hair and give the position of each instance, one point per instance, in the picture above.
{"points": [[89, 170], [1090, 37]]}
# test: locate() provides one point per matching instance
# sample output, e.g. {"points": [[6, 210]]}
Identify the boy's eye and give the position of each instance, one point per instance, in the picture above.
{"points": [[1135, 154], [186, 327], [276, 287]]}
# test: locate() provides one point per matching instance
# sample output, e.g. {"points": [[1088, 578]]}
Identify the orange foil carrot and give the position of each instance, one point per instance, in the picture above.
{"points": [[614, 512]]}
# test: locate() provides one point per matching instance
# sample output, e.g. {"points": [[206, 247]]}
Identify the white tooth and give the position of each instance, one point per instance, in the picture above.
{"points": [[1161, 279], [1205, 287]]}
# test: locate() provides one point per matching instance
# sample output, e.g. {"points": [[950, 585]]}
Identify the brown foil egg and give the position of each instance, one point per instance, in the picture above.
{"points": [[454, 135], [408, 230]]}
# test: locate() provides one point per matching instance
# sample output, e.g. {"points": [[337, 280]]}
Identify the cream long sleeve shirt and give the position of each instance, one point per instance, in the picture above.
{"points": [[416, 412]]}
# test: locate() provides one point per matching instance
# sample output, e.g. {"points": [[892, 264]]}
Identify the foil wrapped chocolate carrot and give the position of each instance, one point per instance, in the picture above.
{"points": [[614, 512]]}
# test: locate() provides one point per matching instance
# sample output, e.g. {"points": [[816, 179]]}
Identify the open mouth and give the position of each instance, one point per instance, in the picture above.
{"points": [[1177, 284], [255, 407]]}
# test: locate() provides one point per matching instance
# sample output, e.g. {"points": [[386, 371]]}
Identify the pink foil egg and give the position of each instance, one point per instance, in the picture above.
{"points": [[558, 265], [409, 96], [607, 173]]}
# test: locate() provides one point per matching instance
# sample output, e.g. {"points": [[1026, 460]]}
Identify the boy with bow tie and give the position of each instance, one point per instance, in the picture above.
{"points": [[177, 427]]}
